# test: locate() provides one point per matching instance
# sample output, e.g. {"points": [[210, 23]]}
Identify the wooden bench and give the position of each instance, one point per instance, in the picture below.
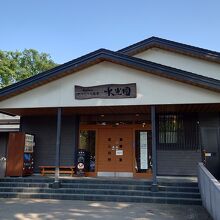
{"points": [[62, 170]]}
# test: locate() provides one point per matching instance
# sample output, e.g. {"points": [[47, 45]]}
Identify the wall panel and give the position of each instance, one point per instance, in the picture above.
{"points": [[44, 129], [180, 163]]}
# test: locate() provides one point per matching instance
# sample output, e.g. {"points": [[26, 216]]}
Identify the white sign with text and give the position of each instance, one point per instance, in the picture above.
{"points": [[143, 150]]}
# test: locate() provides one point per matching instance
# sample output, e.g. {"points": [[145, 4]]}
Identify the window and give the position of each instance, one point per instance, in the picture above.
{"points": [[168, 128], [177, 132], [87, 142]]}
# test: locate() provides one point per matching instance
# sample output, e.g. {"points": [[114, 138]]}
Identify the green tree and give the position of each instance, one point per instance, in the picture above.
{"points": [[16, 66]]}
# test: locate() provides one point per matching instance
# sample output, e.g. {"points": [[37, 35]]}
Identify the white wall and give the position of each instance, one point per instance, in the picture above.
{"points": [[8, 117], [183, 62], [150, 90], [6, 126]]}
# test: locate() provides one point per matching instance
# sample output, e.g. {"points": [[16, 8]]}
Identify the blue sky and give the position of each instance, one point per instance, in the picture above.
{"points": [[67, 29]]}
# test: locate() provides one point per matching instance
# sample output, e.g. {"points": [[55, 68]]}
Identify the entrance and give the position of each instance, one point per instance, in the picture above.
{"points": [[115, 152]]}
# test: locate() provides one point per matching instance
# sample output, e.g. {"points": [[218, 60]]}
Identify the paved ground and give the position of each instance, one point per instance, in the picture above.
{"points": [[54, 209]]}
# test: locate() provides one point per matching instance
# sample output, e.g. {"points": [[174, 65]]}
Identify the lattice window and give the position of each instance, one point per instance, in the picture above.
{"points": [[177, 132]]}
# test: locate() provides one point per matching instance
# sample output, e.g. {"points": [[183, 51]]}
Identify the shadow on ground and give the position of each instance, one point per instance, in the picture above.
{"points": [[36, 209]]}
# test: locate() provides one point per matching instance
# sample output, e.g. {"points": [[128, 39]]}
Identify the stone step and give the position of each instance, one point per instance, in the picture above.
{"points": [[101, 192], [100, 186], [24, 184], [97, 181], [75, 185], [78, 180], [125, 190], [128, 182], [26, 180], [105, 186], [178, 189], [110, 198], [108, 181], [179, 184], [129, 187]]}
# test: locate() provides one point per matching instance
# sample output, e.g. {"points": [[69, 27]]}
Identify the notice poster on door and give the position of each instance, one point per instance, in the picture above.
{"points": [[143, 150], [119, 152]]}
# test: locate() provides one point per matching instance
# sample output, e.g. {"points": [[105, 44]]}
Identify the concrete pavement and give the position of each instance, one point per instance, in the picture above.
{"points": [[23, 209]]}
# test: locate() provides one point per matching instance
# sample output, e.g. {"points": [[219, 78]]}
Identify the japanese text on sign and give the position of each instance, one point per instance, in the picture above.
{"points": [[109, 91]]}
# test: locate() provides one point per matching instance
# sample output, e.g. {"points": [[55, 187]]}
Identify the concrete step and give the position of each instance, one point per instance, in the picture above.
{"points": [[112, 198], [125, 190], [179, 184], [76, 185], [77, 180], [105, 186], [26, 180], [178, 189], [24, 184], [101, 192], [107, 181], [85, 185], [97, 181], [129, 187]]}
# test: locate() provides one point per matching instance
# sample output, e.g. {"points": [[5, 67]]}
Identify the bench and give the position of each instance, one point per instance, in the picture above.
{"points": [[62, 170]]}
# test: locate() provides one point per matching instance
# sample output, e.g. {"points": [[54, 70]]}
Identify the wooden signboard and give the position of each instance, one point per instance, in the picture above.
{"points": [[108, 91]]}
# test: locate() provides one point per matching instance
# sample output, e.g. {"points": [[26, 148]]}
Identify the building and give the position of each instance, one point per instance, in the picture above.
{"points": [[149, 109], [8, 123]]}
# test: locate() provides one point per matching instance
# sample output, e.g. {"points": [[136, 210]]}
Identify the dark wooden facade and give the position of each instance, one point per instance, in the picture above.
{"points": [[172, 161]]}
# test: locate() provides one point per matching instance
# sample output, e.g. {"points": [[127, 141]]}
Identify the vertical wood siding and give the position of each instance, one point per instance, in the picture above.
{"points": [[3, 144], [178, 144], [210, 140], [180, 163], [44, 129]]}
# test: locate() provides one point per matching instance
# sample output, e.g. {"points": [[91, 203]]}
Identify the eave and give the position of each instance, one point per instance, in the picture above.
{"points": [[114, 57], [188, 50]]}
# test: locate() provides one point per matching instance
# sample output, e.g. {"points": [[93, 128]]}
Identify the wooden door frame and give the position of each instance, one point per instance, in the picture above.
{"points": [[134, 128]]}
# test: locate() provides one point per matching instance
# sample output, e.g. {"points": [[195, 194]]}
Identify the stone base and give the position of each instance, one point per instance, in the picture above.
{"points": [[154, 188], [55, 185]]}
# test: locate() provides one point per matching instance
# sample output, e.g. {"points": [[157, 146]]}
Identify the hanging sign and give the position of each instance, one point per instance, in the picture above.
{"points": [[108, 91]]}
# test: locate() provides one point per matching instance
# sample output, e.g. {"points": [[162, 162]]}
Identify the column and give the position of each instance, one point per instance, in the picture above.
{"points": [[58, 139], [76, 137], [154, 148]]}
